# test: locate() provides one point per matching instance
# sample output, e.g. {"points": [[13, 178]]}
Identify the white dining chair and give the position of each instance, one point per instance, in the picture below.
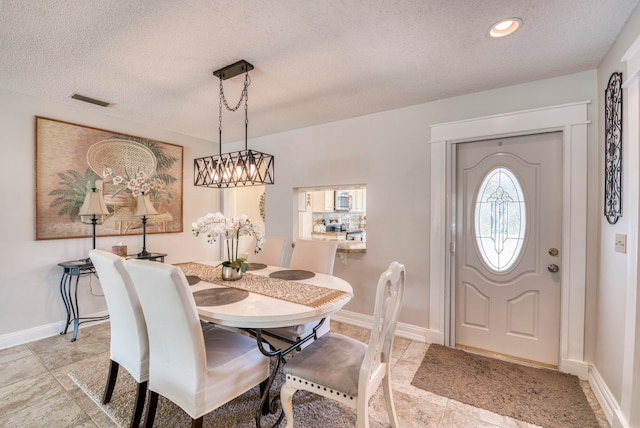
{"points": [[345, 369], [271, 253], [197, 370], [129, 342], [315, 256]]}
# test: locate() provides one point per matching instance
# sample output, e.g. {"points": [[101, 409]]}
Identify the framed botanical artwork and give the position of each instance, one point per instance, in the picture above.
{"points": [[72, 160]]}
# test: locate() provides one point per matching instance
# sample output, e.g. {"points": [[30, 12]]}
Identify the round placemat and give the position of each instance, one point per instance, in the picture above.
{"points": [[292, 274], [256, 266], [219, 296], [193, 279]]}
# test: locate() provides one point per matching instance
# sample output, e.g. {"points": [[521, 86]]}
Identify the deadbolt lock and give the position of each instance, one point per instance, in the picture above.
{"points": [[553, 251]]}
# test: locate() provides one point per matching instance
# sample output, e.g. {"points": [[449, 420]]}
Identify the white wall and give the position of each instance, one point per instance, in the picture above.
{"points": [[29, 274], [611, 312], [389, 152]]}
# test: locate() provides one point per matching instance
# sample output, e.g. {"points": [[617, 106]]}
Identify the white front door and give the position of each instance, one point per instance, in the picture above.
{"points": [[508, 247]]}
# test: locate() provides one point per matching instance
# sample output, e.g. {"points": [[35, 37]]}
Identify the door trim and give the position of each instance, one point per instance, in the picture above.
{"points": [[572, 120]]}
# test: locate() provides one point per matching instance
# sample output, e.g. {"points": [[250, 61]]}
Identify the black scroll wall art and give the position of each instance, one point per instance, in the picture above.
{"points": [[613, 149]]}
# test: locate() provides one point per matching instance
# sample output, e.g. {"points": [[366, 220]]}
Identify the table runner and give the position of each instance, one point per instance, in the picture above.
{"points": [[291, 291]]}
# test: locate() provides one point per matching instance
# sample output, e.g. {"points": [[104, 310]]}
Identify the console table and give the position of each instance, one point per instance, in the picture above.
{"points": [[154, 257], [72, 272]]}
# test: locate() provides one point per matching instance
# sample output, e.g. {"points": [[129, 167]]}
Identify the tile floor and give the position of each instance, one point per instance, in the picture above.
{"points": [[35, 390]]}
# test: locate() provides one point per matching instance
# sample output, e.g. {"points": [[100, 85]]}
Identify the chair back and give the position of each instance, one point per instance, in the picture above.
{"points": [[271, 253], [129, 340], [177, 363], [389, 294], [316, 256]]}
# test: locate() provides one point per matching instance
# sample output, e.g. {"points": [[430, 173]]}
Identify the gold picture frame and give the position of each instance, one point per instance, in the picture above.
{"points": [[71, 159]]}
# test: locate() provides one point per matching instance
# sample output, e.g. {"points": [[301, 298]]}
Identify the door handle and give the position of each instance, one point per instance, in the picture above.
{"points": [[553, 268]]}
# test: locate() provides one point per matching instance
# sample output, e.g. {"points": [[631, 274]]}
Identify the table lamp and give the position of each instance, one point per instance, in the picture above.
{"points": [[94, 206], [143, 209]]}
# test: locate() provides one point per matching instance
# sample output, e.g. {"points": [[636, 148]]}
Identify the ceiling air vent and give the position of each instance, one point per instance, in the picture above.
{"points": [[89, 100]]}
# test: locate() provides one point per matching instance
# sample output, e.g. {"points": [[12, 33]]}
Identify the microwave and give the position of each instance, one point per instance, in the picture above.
{"points": [[343, 202]]}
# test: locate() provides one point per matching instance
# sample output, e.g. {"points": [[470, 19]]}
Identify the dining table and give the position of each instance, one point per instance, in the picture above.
{"points": [[266, 297]]}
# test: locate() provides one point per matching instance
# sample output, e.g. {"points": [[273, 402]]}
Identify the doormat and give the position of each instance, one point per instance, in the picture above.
{"points": [[539, 396]]}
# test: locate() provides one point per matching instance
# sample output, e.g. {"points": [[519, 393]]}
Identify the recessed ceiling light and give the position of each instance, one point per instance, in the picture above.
{"points": [[505, 27]]}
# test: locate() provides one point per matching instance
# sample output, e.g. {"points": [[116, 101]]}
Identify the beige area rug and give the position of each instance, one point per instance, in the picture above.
{"points": [[539, 396], [310, 410]]}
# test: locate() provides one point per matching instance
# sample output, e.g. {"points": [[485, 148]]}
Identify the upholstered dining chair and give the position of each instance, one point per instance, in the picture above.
{"points": [[345, 369], [129, 342], [315, 256], [271, 253], [199, 370]]}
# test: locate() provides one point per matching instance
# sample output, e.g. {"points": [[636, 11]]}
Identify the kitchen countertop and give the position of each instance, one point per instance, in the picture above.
{"points": [[348, 247], [352, 247]]}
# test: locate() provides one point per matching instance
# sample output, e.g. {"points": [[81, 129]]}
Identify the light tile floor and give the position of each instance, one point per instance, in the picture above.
{"points": [[35, 390]]}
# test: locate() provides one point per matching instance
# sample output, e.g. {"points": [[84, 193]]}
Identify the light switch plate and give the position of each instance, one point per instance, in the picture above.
{"points": [[621, 243]]}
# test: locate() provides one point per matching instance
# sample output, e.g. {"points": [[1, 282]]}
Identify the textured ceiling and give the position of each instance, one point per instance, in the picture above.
{"points": [[315, 61]]}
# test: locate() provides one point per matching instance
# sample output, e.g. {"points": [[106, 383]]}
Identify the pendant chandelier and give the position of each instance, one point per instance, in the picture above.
{"points": [[242, 168]]}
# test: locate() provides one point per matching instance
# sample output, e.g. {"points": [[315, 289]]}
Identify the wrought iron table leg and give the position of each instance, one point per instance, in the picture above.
{"points": [[74, 309], [268, 406], [63, 287], [69, 293]]}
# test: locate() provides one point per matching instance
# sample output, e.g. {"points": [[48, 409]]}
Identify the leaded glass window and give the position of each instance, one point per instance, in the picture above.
{"points": [[500, 219]]}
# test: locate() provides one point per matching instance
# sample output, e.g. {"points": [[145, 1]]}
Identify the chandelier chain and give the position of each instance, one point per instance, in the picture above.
{"points": [[223, 100], [243, 95]]}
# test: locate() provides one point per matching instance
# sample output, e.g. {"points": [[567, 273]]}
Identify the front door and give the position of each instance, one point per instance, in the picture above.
{"points": [[508, 247]]}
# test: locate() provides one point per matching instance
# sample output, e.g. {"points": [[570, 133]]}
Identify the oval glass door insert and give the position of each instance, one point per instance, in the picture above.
{"points": [[500, 219]]}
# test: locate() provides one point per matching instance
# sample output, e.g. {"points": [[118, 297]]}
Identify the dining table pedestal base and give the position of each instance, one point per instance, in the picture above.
{"points": [[268, 405]]}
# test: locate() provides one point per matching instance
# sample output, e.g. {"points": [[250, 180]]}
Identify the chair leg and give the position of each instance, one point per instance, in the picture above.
{"points": [[111, 382], [197, 423], [152, 405], [286, 400], [388, 401], [139, 404], [362, 412]]}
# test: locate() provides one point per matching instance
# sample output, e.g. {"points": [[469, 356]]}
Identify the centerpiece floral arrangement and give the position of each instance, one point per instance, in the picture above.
{"points": [[217, 226]]}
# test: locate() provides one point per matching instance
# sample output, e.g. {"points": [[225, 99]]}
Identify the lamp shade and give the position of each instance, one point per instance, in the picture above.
{"points": [[93, 204], [144, 207]]}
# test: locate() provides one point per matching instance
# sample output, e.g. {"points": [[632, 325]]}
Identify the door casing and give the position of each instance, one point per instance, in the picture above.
{"points": [[571, 120]]}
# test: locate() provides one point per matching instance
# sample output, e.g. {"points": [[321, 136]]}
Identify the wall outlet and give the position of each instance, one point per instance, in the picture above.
{"points": [[621, 243]]}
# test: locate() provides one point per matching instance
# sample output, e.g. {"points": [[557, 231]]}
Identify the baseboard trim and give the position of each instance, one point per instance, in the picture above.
{"points": [[607, 401], [578, 368], [407, 331], [41, 332]]}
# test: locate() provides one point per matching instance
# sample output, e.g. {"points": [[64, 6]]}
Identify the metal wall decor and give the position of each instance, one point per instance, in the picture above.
{"points": [[242, 168], [613, 149]]}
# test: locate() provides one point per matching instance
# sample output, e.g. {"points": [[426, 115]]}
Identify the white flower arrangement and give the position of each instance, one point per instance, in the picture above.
{"points": [[217, 226]]}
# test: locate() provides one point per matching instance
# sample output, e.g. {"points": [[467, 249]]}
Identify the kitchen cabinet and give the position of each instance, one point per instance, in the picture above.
{"points": [[304, 201], [359, 200], [322, 201]]}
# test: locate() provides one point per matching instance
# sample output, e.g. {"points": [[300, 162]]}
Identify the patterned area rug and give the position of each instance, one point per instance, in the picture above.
{"points": [[310, 410], [539, 396]]}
